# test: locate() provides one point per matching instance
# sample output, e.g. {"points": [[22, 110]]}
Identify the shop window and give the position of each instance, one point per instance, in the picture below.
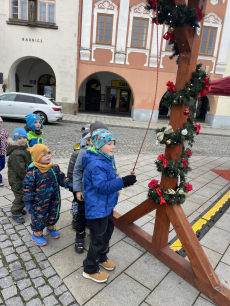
{"points": [[104, 29], [208, 41], [19, 9], [46, 11], [139, 34]]}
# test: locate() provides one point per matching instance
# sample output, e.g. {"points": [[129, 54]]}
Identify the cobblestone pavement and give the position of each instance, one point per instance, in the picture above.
{"points": [[26, 276], [61, 138]]}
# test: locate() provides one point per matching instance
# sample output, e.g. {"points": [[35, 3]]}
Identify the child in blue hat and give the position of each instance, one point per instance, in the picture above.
{"points": [[33, 129], [101, 196], [19, 157]]}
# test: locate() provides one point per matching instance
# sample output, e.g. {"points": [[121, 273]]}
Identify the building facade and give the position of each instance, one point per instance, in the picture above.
{"points": [[118, 58], [38, 52]]}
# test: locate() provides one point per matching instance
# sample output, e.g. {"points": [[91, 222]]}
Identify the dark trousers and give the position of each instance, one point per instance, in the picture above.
{"points": [[18, 203], [101, 231], [2, 164], [79, 221]]}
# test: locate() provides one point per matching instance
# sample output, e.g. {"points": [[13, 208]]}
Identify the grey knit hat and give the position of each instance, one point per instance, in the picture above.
{"points": [[85, 133], [97, 125]]}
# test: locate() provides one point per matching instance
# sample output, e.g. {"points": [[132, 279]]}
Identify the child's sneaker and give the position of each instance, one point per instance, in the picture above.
{"points": [[18, 218], [99, 277], [108, 265], [53, 233], [79, 242], [1, 184], [39, 240]]}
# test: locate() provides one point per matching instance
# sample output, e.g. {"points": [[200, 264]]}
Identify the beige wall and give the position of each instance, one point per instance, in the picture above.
{"points": [[223, 106]]}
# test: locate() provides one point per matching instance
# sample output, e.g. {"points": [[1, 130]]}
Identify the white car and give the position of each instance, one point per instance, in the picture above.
{"points": [[18, 105]]}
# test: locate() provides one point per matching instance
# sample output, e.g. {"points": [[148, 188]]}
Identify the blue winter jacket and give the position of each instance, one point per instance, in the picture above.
{"points": [[78, 171], [101, 185]]}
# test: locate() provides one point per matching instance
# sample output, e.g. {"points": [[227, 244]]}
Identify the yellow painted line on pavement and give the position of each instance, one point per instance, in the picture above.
{"points": [[177, 246]]}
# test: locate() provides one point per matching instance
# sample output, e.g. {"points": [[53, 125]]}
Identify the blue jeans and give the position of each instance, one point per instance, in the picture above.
{"points": [[2, 164]]}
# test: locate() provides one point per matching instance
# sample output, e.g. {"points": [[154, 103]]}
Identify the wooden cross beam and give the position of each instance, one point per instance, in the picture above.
{"points": [[198, 272]]}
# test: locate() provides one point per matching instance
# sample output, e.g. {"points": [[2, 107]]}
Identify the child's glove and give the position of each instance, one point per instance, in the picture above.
{"points": [[129, 180], [29, 207], [70, 186]]}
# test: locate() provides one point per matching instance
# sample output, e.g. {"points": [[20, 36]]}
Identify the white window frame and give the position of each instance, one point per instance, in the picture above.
{"points": [[11, 13], [213, 21], [47, 2], [107, 8], [139, 11]]}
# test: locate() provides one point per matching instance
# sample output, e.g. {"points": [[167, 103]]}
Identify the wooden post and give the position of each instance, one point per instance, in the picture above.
{"points": [[198, 272]]}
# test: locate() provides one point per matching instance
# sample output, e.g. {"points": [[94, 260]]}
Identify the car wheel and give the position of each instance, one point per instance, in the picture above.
{"points": [[42, 116]]}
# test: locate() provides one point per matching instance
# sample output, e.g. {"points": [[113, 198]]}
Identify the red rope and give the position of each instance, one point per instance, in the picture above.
{"points": [[155, 93]]}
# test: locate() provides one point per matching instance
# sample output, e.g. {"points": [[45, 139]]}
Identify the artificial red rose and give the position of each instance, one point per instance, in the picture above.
{"points": [[159, 192], [163, 201], [185, 163], [197, 128], [170, 86], [207, 88], [165, 163], [161, 157], [169, 36], [188, 187], [154, 3], [189, 152], [200, 14], [153, 184]]}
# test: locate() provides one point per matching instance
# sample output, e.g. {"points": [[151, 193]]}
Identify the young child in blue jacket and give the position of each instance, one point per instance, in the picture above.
{"points": [[101, 196], [79, 223], [33, 129]]}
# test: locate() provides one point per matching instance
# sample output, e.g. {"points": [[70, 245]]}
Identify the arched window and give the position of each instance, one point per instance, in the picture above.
{"points": [[46, 11]]}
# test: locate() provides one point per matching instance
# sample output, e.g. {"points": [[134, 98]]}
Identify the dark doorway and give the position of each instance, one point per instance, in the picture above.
{"points": [[202, 108], [93, 95], [163, 110], [124, 101], [17, 81], [47, 86]]}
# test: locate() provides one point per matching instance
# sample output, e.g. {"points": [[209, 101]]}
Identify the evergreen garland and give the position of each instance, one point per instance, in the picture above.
{"points": [[190, 91], [177, 16], [176, 198], [175, 50], [175, 168], [177, 138]]}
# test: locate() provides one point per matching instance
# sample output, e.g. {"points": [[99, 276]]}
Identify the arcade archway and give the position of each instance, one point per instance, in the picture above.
{"points": [[98, 90], [32, 75]]}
